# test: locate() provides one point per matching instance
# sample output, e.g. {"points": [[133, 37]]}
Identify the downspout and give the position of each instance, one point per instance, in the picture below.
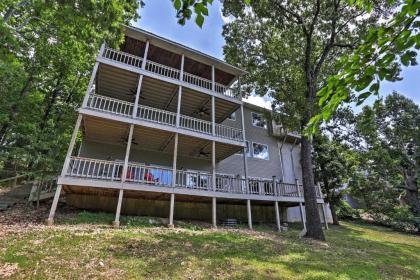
{"points": [[281, 157], [293, 162]]}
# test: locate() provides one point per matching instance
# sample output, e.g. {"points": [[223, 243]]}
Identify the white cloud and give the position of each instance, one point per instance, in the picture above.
{"points": [[260, 101]]}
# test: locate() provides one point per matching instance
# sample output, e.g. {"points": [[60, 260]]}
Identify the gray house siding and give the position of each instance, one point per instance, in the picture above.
{"points": [[256, 167]]}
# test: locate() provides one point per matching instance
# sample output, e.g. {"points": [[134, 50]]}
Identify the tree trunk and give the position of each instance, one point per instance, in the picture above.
{"points": [[334, 215], [313, 221], [411, 197]]}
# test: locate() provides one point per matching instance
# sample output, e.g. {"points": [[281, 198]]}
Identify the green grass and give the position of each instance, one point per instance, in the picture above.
{"points": [[84, 246]]}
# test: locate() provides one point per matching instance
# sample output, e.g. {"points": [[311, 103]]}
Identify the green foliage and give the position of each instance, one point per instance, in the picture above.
{"points": [[385, 139], [346, 212], [47, 50], [376, 59], [186, 8]]}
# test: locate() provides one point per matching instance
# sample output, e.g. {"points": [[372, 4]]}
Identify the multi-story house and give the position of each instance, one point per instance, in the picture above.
{"points": [[165, 132]]}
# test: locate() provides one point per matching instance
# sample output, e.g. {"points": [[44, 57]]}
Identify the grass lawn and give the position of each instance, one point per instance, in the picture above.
{"points": [[84, 246]]}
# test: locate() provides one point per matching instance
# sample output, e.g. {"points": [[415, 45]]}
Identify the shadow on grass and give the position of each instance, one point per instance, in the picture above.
{"points": [[354, 251]]}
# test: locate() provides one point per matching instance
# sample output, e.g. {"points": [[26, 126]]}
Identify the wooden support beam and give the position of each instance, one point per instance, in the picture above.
{"points": [[71, 145], [50, 220], [116, 222], [171, 211], [174, 162], [146, 51], [213, 165], [302, 212], [278, 222], [214, 207], [324, 213], [244, 149], [248, 208], [127, 153], [137, 98], [91, 81]]}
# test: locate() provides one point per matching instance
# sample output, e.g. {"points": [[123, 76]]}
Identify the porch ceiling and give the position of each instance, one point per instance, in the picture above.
{"points": [[116, 133], [121, 84]]}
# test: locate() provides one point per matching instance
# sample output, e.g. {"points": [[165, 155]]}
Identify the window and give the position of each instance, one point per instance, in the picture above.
{"points": [[248, 152], [260, 151], [258, 120], [232, 116]]}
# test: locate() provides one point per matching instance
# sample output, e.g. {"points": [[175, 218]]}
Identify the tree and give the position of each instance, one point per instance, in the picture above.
{"points": [[47, 50], [391, 132], [290, 49], [334, 166], [377, 58]]}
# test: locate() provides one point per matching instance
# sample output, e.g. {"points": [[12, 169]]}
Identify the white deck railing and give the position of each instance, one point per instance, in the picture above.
{"points": [[123, 57], [162, 176], [156, 115], [110, 105], [94, 168], [229, 132], [194, 124], [168, 72], [124, 108], [162, 70], [197, 81]]}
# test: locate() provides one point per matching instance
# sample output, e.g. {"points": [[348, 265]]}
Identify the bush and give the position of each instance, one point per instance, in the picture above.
{"points": [[345, 211]]}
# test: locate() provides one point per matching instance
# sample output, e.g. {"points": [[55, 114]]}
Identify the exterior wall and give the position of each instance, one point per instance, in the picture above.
{"points": [[260, 167]]}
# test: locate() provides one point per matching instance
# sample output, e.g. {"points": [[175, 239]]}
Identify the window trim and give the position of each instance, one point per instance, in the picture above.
{"points": [[268, 151], [252, 120]]}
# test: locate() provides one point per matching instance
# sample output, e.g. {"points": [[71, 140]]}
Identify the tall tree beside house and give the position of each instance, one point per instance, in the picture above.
{"points": [[390, 135], [47, 50], [334, 164], [289, 50]]}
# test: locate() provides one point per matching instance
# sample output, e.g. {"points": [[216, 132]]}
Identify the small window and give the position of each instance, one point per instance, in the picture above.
{"points": [[248, 152], [232, 116], [260, 151], [258, 120]]}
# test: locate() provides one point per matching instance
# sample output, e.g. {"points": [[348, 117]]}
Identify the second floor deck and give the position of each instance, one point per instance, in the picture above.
{"points": [[152, 178]]}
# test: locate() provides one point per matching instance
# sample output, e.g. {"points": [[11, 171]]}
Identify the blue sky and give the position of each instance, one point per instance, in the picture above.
{"points": [[158, 16]]}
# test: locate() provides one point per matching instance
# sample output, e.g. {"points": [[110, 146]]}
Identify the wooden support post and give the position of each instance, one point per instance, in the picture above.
{"points": [[324, 213], [71, 145], [178, 109], [278, 222], [248, 208], [50, 219], [127, 153], [244, 149], [214, 218], [181, 73], [174, 162], [91, 81], [146, 50], [171, 211], [137, 98], [302, 213], [116, 222], [213, 165]]}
